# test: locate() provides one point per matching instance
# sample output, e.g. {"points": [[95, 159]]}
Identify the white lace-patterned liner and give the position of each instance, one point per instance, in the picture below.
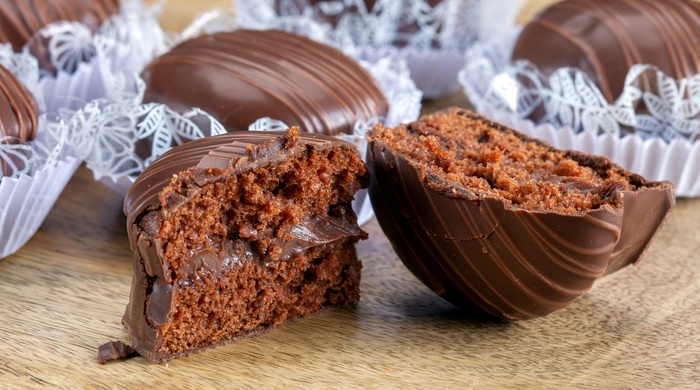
{"points": [[433, 49], [663, 144]]}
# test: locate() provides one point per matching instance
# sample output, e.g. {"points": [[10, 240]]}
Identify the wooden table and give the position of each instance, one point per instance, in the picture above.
{"points": [[64, 293]]}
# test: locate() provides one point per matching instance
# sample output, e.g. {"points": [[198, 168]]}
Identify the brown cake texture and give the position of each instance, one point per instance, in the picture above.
{"points": [[238, 233], [498, 222]]}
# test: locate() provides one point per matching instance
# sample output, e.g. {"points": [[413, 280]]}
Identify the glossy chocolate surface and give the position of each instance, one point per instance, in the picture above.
{"points": [[605, 38], [114, 350], [20, 19], [19, 112], [207, 160], [241, 76], [484, 255]]}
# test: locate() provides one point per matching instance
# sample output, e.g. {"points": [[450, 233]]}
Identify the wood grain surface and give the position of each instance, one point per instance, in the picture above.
{"points": [[63, 294]]}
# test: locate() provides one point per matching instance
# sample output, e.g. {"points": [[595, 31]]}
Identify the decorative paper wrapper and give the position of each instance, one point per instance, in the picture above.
{"points": [[124, 43], [659, 142], [38, 169], [105, 132], [432, 40]]}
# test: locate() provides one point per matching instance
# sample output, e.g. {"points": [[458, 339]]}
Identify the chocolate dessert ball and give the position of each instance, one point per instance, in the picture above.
{"points": [[605, 38], [243, 75]]}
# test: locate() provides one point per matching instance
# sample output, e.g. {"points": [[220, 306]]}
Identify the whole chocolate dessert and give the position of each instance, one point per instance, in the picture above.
{"points": [[20, 19], [501, 223], [241, 76], [605, 38], [238, 233], [19, 111]]}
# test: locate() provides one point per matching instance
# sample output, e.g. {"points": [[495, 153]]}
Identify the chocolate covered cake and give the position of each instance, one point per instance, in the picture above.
{"points": [[241, 76], [20, 19], [497, 222], [236, 234], [605, 38]]}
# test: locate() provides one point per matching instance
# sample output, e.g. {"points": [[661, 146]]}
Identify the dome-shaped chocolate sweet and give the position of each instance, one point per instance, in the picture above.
{"points": [[501, 223], [605, 38], [241, 76]]}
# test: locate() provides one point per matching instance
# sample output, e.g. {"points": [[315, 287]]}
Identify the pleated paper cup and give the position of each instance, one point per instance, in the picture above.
{"points": [[27, 200]]}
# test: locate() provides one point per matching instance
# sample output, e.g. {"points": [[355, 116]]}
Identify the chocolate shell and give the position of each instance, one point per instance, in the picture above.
{"points": [[19, 111], [485, 254], [20, 19], [605, 38], [241, 76]]}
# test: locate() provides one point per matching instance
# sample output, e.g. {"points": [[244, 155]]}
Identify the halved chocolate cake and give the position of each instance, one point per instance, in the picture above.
{"points": [[235, 234], [499, 222]]}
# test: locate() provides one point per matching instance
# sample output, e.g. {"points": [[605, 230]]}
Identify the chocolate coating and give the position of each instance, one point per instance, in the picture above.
{"points": [[241, 76], [203, 161], [605, 38], [20, 19], [19, 111], [483, 254], [114, 350]]}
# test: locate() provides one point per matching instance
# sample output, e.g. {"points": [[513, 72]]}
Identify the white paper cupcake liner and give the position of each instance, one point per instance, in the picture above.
{"points": [[45, 164], [27, 200], [434, 51]]}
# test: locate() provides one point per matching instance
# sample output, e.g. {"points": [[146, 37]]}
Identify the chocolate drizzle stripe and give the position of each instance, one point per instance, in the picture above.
{"points": [[290, 96], [344, 74], [522, 260], [558, 256], [510, 247], [547, 236]]}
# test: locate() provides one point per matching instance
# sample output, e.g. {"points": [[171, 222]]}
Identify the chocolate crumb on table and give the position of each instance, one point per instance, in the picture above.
{"points": [[114, 350]]}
